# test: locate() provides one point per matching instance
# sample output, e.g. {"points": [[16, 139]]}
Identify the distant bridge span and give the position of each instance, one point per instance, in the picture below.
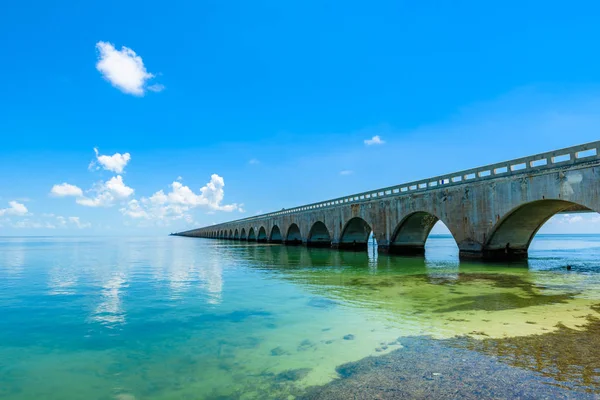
{"points": [[493, 212]]}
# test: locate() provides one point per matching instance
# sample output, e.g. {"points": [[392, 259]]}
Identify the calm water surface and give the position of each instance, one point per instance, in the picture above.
{"points": [[171, 318]]}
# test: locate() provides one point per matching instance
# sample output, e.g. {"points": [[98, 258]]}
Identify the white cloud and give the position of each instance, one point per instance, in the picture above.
{"points": [[65, 189], [175, 204], [124, 69], [115, 163], [157, 87], [135, 210], [15, 208], [346, 172], [568, 218], [374, 140], [253, 161], [49, 221], [107, 193], [77, 222]]}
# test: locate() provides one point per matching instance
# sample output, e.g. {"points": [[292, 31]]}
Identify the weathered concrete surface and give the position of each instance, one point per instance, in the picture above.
{"points": [[492, 211]]}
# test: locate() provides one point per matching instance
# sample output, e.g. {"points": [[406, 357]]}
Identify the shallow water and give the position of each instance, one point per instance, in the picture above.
{"points": [[171, 317]]}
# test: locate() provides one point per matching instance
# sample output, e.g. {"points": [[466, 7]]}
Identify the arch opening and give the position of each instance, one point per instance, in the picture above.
{"points": [[262, 234], [230, 236], [275, 236], [251, 234], [355, 235], [318, 236], [411, 234], [513, 234], [236, 235], [293, 236], [243, 234]]}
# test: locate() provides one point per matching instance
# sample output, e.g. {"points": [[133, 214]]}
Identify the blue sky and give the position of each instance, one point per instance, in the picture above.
{"points": [[268, 104]]}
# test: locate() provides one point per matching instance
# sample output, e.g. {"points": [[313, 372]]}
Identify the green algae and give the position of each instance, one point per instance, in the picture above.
{"points": [[501, 301], [569, 356], [435, 369]]}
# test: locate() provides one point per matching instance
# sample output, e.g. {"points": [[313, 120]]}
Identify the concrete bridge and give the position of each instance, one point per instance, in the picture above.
{"points": [[493, 212]]}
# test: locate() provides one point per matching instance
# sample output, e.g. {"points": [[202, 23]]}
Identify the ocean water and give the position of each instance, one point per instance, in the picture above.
{"points": [[184, 318]]}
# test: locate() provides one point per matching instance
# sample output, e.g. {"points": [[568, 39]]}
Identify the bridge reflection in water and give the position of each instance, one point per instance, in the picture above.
{"points": [[492, 212]]}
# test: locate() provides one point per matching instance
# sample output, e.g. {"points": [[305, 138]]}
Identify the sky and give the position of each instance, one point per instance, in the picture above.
{"points": [[122, 118]]}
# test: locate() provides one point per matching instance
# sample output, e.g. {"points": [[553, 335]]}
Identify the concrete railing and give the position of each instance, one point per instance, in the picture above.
{"points": [[580, 154]]}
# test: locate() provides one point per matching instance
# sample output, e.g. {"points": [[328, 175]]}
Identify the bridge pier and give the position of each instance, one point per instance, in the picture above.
{"points": [[323, 245], [407, 250], [354, 246]]}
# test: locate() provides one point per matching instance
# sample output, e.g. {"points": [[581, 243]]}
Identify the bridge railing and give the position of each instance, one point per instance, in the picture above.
{"points": [[583, 153]]}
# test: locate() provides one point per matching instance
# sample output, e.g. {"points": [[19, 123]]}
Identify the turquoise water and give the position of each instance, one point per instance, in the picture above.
{"points": [[172, 317]]}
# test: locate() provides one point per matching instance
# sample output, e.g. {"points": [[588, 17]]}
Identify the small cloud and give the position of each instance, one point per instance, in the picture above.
{"points": [[124, 69], [15, 208], [77, 222], [157, 87], [65, 189], [253, 161], [346, 172], [374, 140], [115, 163], [179, 178]]}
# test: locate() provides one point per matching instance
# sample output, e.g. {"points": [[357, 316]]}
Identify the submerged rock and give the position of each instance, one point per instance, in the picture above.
{"points": [[292, 374], [278, 351], [305, 345], [437, 369], [320, 302], [349, 337]]}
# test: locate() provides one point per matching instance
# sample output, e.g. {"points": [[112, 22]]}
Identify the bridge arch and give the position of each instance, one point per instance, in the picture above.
{"points": [[511, 236], [275, 236], [293, 235], [411, 233], [236, 234], [355, 234], [243, 234], [318, 236], [262, 234], [251, 234], [230, 234]]}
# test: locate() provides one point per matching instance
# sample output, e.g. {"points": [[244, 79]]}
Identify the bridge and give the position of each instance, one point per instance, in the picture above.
{"points": [[493, 212]]}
